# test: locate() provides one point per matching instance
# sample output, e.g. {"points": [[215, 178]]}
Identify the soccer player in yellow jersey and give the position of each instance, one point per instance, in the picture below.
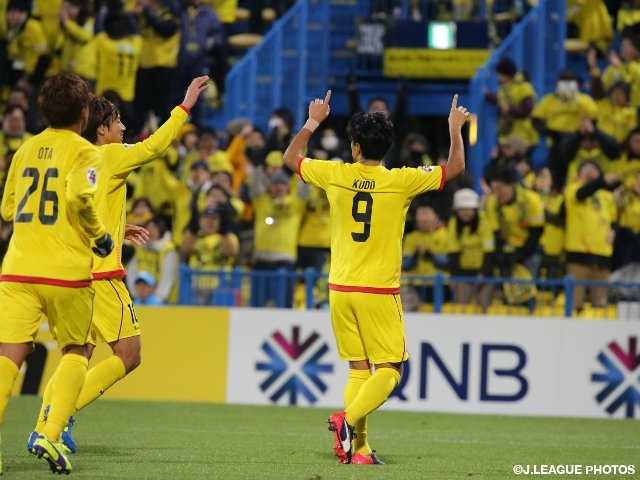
{"points": [[368, 205], [49, 195], [114, 320]]}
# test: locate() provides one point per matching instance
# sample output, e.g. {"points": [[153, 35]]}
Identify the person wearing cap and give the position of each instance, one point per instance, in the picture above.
{"points": [[591, 221], [470, 249], [144, 290], [277, 218], [368, 212], [114, 320], [516, 217], [562, 113], [515, 100]]}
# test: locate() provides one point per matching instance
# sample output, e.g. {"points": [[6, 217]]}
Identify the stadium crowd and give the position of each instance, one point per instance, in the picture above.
{"points": [[222, 199]]}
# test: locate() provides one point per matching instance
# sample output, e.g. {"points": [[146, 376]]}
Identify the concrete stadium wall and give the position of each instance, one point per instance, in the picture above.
{"points": [[471, 364]]}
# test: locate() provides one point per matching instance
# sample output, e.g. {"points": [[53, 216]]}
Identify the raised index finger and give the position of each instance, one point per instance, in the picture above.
{"points": [[454, 103], [327, 97]]}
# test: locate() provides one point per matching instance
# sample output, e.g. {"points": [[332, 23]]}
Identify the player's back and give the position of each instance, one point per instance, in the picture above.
{"points": [[368, 210], [46, 246]]}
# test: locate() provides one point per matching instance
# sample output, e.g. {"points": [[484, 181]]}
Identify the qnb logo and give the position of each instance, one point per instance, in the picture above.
{"points": [[621, 378], [294, 367]]}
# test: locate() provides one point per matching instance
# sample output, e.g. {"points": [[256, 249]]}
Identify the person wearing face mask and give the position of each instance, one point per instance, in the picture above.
{"points": [[561, 113], [415, 151], [329, 146], [280, 124]]}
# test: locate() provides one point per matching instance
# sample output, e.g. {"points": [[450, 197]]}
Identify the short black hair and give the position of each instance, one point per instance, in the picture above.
{"points": [[506, 174], [373, 132], [101, 112]]}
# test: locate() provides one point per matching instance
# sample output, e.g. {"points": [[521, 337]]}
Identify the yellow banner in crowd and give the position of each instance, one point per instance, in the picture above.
{"points": [[184, 357], [430, 63]]}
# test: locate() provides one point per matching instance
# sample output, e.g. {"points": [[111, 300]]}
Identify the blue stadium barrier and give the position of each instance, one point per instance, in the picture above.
{"points": [[286, 69], [308, 290], [536, 44]]}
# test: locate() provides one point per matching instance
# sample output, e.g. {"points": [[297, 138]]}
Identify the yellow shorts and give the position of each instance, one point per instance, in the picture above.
{"points": [[26, 305], [368, 326], [113, 315]]}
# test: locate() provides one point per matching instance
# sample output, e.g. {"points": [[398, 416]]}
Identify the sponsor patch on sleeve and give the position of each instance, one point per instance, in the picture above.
{"points": [[92, 176]]}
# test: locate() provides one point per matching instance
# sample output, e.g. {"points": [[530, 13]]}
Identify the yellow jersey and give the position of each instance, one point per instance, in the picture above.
{"points": [[77, 54], [25, 48], [514, 220], [117, 64], [616, 121], [49, 195], [158, 51], [436, 243], [589, 221], [276, 226], [562, 115], [471, 246], [368, 207], [120, 160], [315, 231], [515, 93]]}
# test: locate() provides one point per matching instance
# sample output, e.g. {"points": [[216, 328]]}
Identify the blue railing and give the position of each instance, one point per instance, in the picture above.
{"points": [[308, 290], [287, 68], [536, 44]]}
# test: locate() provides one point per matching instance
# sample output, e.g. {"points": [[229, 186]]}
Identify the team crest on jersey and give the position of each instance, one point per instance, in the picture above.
{"points": [[427, 168], [92, 176]]}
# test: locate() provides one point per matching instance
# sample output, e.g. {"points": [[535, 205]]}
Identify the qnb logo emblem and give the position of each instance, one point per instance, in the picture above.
{"points": [[294, 367], [621, 378]]}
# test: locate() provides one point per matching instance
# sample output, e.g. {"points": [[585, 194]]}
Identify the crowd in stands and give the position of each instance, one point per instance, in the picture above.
{"points": [[222, 199]]}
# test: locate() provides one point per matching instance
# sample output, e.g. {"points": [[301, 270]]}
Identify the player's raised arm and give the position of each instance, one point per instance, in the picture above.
{"points": [[457, 118], [197, 86], [318, 111]]}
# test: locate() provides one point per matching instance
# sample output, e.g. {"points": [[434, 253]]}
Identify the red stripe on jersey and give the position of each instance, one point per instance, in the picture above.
{"points": [[45, 281], [299, 172], [112, 274], [444, 177], [352, 288]]}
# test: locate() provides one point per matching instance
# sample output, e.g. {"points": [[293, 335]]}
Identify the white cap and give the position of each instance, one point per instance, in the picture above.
{"points": [[466, 198]]}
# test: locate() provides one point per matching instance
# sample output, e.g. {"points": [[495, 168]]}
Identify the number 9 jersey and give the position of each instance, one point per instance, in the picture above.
{"points": [[49, 197], [368, 207]]}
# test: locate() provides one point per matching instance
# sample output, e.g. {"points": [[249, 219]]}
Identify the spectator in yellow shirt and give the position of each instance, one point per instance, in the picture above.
{"points": [[592, 216], [516, 216]]}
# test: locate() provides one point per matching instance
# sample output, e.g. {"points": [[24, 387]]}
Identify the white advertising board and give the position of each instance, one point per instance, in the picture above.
{"points": [[470, 364]]}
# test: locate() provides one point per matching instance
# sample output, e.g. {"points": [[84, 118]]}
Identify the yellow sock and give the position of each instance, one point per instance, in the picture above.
{"points": [[67, 384], [8, 374], [46, 400], [357, 378], [99, 379], [373, 393]]}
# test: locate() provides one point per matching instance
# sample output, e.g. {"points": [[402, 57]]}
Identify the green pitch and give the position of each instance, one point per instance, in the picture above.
{"points": [[157, 440]]}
